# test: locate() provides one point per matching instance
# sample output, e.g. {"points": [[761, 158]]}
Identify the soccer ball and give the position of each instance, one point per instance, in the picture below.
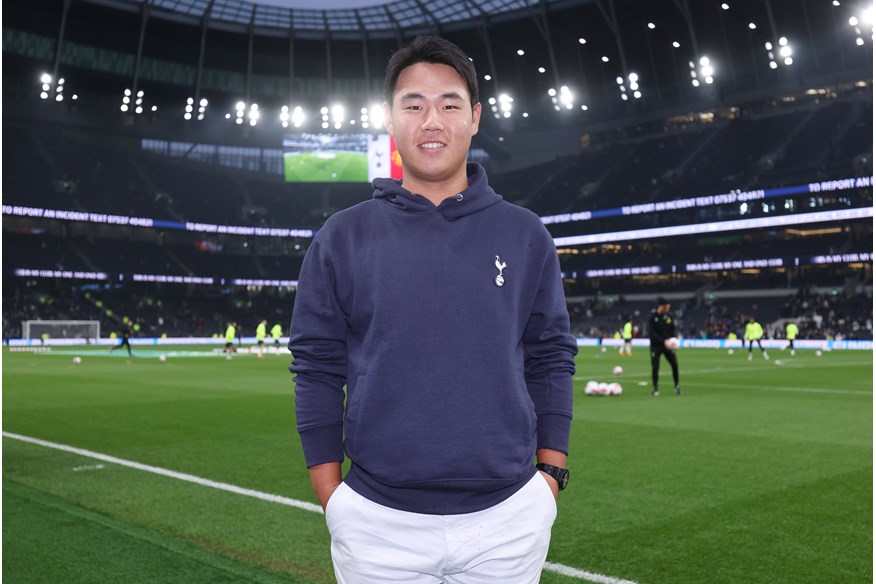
{"points": [[729, 351], [818, 353], [614, 389], [590, 388], [618, 370], [162, 358], [671, 343], [602, 389], [77, 360], [604, 349]]}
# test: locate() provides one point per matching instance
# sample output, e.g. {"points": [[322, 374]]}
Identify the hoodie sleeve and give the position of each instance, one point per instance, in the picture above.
{"points": [[317, 340], [549, 358]]}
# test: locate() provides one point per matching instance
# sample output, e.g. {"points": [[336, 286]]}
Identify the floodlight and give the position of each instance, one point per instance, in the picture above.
{"points": [[46, 87], [853, 21], [253, 122], [584, 108], [155, 109], [124, 108], [773, 65], [492, 101], [725, 6], [634, 77], [520, 52], [203, 102], [189, 109], [44, 95], [624, 97], [867, 15], [140, 93], [61, 81], [789, 61], [634, 86], [187, 115], [126, 99], [620, 80], [675, 44], [377, 115], [59, 97], [238, 121], [74, 96], [46, 78], [752, 26], [488, 77], [227, 116], [552, 92], [651, 25], [783, 41], [526, 114], [582, 41], [695, 83], [240, 105], [541, 69], [859, 41], [254, 107], [637, 94], [768, 46], [139, 110], [605, 59], [704, 61]]}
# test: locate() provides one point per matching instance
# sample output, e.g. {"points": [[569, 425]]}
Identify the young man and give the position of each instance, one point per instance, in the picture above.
{"points": [[261, 333], [753, 333], [791, 332], [126, 340], [662, 328], [628, 338], [230, 333], [441, 308]]}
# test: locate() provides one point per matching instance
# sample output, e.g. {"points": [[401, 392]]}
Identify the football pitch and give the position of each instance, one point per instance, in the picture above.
{"points": [[334, 166], [189, 470]]}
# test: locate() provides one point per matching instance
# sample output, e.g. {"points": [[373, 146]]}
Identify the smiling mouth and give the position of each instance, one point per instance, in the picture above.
{"points": [[432, 145]]}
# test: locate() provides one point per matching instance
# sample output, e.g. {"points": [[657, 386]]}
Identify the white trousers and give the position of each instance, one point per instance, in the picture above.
{"points": [[506, 544]]}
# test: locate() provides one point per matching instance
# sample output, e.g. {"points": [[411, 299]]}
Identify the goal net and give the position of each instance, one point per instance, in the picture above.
{"points": [[61, 329]]}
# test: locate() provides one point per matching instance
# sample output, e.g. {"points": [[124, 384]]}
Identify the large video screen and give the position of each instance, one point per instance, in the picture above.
{"points": [[326, 157]]}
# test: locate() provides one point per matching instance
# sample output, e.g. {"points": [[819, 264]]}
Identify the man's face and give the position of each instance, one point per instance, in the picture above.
{"points": [[663, 309], [432, 121]]}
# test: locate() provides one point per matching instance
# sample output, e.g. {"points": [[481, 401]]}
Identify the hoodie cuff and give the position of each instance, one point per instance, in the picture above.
{"points": [[323, 444], [553, 432]]}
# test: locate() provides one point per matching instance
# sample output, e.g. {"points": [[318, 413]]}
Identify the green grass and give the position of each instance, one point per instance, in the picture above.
{"points": [[761, 472], [326, 167]]}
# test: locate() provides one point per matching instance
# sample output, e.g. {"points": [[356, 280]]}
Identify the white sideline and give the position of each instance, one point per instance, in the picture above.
{"points": [[550, 566]]}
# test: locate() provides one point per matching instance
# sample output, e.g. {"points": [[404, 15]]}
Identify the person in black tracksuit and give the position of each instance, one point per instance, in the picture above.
{"points": [[661, 328], [125, 342]]}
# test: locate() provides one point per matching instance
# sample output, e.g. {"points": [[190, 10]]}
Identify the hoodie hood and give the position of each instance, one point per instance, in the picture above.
{"points": [[479, 195]]}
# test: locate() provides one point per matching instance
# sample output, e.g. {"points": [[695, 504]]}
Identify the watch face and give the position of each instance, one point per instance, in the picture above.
{"points": [[563, 479]]}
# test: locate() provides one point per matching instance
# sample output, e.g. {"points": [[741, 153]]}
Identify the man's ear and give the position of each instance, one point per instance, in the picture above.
{"points": [[387, 118], [475, 118]]}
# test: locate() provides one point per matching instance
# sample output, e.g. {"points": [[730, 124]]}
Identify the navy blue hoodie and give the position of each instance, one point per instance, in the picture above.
{"points": [[454, 375]]}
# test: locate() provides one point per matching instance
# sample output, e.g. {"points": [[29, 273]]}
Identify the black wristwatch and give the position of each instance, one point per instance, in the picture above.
{"points": [[560, 474]]}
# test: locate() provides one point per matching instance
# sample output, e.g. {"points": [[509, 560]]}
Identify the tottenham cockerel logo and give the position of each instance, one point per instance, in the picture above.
{"points": [[500, 265]]}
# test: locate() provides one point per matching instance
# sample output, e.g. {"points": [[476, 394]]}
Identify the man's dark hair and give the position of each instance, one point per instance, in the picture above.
{"points": [[435, 50], [661, 301]]}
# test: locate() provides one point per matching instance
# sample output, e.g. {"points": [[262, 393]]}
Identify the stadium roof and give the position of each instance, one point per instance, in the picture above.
{"points": [[361, 18]]}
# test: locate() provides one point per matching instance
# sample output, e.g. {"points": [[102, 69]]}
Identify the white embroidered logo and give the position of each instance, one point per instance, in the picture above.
{"points": [[500, 265]]}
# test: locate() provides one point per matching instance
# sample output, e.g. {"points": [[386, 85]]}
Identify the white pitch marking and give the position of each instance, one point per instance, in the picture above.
{"points": [[87, 467], [550, 566], [582, 575]]}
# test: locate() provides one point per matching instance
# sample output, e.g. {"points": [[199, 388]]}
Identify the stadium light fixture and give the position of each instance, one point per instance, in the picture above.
{"points": [[858, 25], [521, 52], [604, 59], [752, 26], [652, 26], [488, 77], [781, 54], [676, 44], [725, 6], [541, 69], [337, 112], [706, 72], [377, 115], [582, 41]]}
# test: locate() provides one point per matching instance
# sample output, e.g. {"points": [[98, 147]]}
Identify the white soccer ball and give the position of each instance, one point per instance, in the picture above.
{"points": [[590, 388], [818, 353], [671, 343], [614, 389], [77, 360], [162, 358], [618, 370], [729, 351], [602, 389], [604, 349]]}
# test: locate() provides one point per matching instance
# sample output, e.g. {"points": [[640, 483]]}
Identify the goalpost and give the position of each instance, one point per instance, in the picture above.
{"points": [[61, 329]]}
